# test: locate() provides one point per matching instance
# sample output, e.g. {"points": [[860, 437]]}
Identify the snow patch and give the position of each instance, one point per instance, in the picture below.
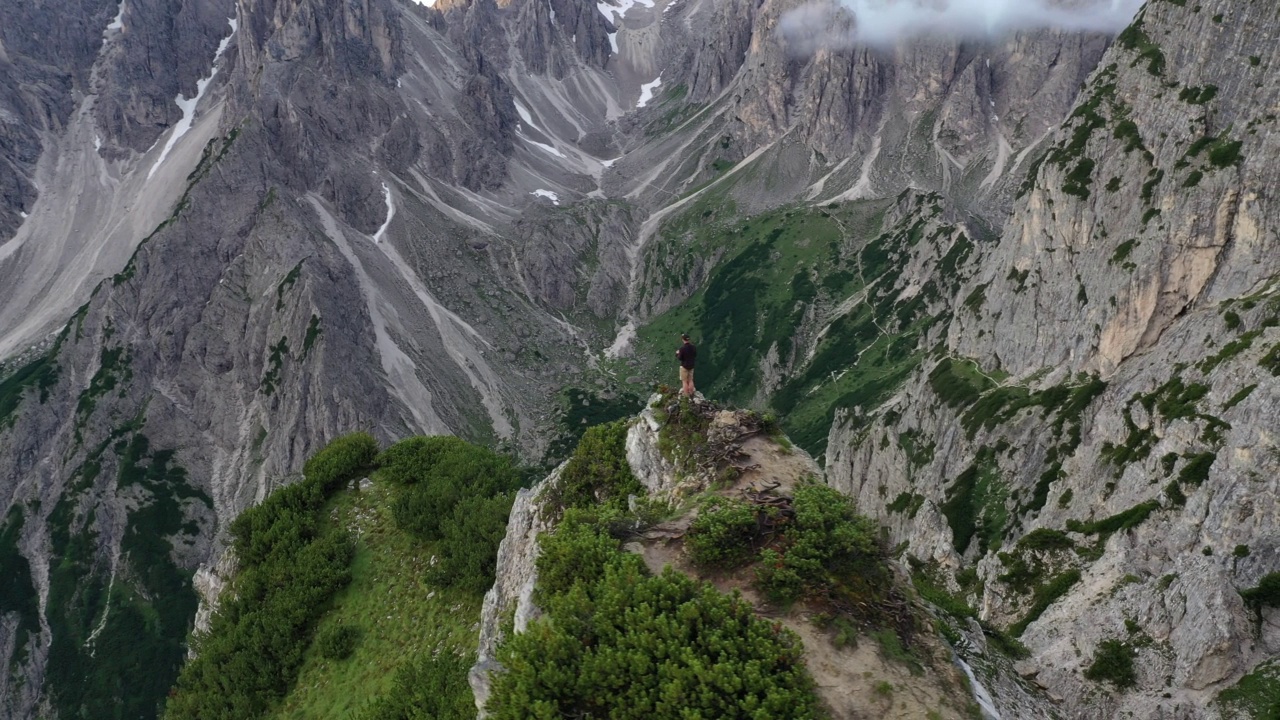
{"points": [[646, 91], [524, 114], [554, 198], [118, 22], [670, 5], [428, 3], [609, 163], [97, 142], [620, 10], [544, 147], [188, 107], [613, 41], [23, 214], [391, 212]]}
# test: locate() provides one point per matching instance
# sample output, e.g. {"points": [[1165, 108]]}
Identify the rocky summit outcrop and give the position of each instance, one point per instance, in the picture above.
{"points": [[729, 455]]}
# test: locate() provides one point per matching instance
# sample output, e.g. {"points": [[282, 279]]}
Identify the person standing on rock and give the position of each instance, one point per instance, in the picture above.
{"points": [[687, 354]]}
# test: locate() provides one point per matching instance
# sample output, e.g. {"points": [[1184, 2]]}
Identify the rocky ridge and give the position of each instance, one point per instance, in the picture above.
{"points": [[850, 678]]}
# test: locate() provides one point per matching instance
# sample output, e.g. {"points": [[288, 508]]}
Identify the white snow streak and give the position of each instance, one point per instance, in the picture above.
{"points": [[862, 188], [620, 10], [554, 198], [1003, 151], [23, 214], [188, 107], [543, 146], [524, 115], [613, 41], [391, 212], [106, 612], [646, 91], [118, 22], [428, 3]]}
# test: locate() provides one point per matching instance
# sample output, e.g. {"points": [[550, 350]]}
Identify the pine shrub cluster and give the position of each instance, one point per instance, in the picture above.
{"points": [[826, 548], [291, 564], [620, 643], [427, 688], [457, 494]]}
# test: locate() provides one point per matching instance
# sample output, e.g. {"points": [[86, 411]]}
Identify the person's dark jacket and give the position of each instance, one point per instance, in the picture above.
{"points": [[687, 354]]}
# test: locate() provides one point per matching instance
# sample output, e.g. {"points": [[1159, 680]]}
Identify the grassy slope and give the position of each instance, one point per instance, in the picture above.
{"points": [[775, 268], [398, 614]]}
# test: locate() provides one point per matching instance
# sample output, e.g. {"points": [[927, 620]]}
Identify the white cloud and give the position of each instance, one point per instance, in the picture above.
{"points": [[887, 22]]}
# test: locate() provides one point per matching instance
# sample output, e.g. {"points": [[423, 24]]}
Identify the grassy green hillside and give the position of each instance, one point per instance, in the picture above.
{"points": [[390, 607], [808, 309], [358, 588]]}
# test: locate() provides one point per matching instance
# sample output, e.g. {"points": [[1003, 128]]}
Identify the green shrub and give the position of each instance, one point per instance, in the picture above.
{"points": [[629, 645], [958, 383], [909, 503], [575, 553], [781, 583], [1225, 153], [724, 534], [933, 591], [255, 645], [597, 472], [1196, 471], [337, 642], [414, 460], [469, 538], [427, 688], [341, 460], [1124, 520], [1271, 361], [1256, 695], [891, 648], [1046, 539], [1114, 663], [438, 473], [1077, 181], [294, 558], [1044, 597], [1265, 594], [1240, 396], [1123, 251]]}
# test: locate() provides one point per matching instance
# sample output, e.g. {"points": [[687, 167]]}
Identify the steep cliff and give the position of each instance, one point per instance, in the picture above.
{"points": [[1090, 456]]}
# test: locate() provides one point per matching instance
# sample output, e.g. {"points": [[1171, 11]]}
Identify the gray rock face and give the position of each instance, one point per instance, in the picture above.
{"points": [[1136, 283], [508, 605], [1148, 208]]}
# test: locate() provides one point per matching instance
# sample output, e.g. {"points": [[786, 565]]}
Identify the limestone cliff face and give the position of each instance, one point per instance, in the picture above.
{"points": [[1123, 397], [1152, 205]]}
